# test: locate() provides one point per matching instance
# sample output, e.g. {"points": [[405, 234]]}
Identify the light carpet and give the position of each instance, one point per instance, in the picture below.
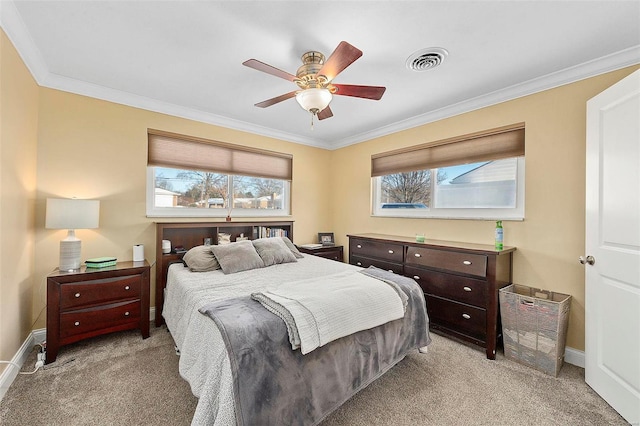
{"points": [[122, 379]]}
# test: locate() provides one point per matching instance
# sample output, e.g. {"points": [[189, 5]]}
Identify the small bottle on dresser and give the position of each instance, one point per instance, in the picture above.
{"points": [[499, 235]]}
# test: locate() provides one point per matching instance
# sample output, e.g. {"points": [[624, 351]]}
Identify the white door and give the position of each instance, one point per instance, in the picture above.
{"points": [[612, 276]]}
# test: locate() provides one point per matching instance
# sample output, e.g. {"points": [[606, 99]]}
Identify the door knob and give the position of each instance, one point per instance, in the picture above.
{"points": [[589, 259]]}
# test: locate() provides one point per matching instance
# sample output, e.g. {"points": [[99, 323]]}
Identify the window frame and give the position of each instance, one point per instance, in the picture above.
{"points": [[430, 212], [487, 145], [153, 211]]}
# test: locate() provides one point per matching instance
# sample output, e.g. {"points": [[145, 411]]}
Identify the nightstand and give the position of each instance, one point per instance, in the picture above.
{"points": [[91, 302], [329, 252]]}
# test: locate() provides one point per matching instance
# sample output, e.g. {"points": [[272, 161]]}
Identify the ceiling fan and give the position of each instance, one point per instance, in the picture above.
{"points": [[315, 81]]}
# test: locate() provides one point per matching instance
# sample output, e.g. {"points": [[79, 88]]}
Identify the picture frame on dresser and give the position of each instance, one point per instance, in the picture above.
{"points": [[326, 238]]}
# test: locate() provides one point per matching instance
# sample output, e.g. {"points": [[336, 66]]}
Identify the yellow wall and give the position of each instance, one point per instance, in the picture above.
{"points": [[18, 140], [94, 149], [551, 237]]}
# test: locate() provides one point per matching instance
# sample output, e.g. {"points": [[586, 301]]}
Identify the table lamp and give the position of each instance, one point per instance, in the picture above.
{"points": [[71, 214]]}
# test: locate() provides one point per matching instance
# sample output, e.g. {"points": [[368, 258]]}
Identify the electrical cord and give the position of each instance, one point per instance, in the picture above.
{"points": [[38, 365]]}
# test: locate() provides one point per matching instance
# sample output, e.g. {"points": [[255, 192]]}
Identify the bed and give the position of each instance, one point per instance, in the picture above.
{"points": [[210, 368]]}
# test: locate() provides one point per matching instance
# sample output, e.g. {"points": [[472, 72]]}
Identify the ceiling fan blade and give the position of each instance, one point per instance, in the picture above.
{"points": [[325, 113], [367, 92], [276, 100], [261, 66], [344, 55]]}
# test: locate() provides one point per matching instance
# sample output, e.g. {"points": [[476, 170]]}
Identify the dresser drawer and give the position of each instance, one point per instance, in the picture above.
{"points": [[365, 262], [464, 319], [465, 263], [333, 255], [382, 250], [86, 293], [108, 316], [461, 289]]}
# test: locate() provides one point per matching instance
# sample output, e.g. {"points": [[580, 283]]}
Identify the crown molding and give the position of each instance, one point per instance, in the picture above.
{"points": [[16, 30], [612, 62], [58, 82]]}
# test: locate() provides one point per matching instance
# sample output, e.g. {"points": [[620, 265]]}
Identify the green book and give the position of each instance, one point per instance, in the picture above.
{"points": [[100, 262]]}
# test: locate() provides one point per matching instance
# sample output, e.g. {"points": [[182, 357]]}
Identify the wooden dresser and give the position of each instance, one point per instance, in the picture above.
{"points": [[90, 302], [328, 252], [460, 281]]}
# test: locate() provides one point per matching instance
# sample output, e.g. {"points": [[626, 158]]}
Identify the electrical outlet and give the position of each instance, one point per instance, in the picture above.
{"points": [[42, 356]]}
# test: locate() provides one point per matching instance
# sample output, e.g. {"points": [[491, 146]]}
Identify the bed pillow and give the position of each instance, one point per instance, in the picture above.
{"points": [[292, 247], [273, 251], [200, 259], [236, 257]]}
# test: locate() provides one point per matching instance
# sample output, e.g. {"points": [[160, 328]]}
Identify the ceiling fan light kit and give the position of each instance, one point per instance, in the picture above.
{"points": [[314, 100], [314, 78]]}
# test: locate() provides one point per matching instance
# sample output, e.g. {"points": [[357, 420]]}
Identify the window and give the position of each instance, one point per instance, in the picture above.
{"points": [[191, 177], [478, 176]]}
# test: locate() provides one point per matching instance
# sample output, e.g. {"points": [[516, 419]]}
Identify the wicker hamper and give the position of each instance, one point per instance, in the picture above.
{"points": [[534, 326]]}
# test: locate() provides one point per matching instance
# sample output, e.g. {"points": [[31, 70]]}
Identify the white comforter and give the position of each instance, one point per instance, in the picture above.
{"points": [[204, 362], [318, 312]]}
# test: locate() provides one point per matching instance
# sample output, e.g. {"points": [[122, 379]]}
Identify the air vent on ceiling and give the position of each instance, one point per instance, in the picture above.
{"points": [[426, 59]]}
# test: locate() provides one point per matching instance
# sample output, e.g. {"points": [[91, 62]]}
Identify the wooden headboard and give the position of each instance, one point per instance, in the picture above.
{"points": [[192, 234]]}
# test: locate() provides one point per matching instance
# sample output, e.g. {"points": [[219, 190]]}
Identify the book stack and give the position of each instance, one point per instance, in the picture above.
{"points": [[266, 232], [100, 262]]}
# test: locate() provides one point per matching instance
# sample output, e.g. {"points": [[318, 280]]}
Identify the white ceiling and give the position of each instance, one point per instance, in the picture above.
{"points": [[185, 57]]}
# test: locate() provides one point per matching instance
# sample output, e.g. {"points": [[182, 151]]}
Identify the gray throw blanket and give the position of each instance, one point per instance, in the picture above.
{"points": [[274, 385]]}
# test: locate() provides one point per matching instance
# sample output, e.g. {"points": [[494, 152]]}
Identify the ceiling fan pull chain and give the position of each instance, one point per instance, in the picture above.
{"points": [[312, 122]]}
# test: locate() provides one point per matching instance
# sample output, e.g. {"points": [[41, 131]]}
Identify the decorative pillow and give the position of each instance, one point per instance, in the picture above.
{"points": [[273, 251], [292, 247], [236, 257], [200, 259]]}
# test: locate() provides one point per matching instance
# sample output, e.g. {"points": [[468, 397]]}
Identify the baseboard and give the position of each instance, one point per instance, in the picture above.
{"points": [[35, 337], [11, 371], [574, 357]]}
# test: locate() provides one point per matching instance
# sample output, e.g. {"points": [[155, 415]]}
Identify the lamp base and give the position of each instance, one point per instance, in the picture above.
{"points": [[70, 255]]}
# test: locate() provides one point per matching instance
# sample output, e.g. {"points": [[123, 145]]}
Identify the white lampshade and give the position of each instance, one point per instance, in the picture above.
{"points": [[71, 214], [314, 100]]}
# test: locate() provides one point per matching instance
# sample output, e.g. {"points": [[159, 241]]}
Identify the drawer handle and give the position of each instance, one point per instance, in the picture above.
{"points": [[77, 323], [415, 277], [466, 288], [466, 316], [358, 246], [390, 251], [417, 255], [126, 287], [467, 262], [126, 314], [359, 263], [77, 294]]}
